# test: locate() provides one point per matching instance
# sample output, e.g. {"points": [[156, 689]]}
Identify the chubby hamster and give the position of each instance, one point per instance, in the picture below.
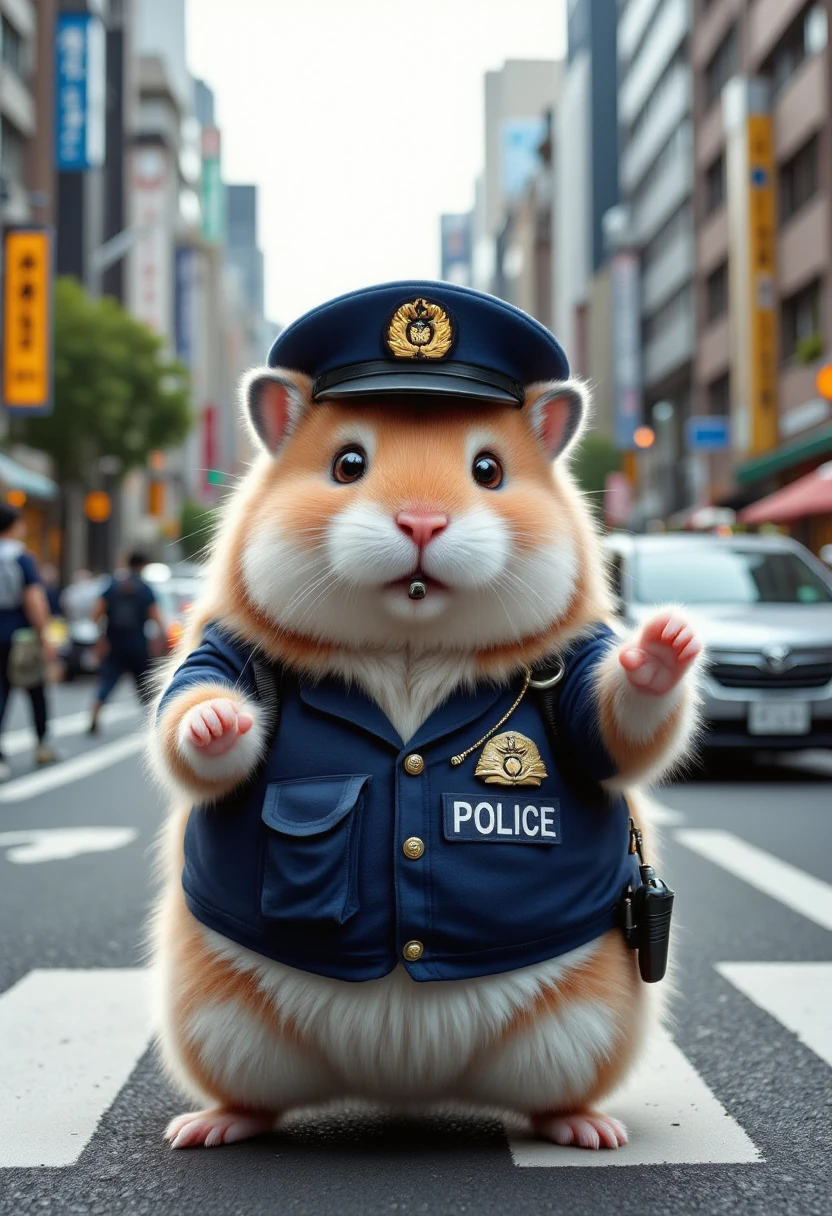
{"points": [[382, 879]]}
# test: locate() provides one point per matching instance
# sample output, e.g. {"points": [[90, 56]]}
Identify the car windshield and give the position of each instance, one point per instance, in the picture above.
{"points": [[725, 576]]}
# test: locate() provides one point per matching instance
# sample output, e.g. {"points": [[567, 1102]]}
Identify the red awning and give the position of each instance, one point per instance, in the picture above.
{"points": [[809, 495]]}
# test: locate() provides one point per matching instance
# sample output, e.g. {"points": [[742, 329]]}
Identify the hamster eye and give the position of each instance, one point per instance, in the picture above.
{"points": [[349, 465], [487, 471]]}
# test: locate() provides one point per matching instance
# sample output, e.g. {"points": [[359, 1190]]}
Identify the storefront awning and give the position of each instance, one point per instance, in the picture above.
{"points": [[809, 495], [14, 476], [785, 457]]}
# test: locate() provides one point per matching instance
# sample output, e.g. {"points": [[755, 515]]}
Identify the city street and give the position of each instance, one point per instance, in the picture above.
{"points": [[731, 1113]]}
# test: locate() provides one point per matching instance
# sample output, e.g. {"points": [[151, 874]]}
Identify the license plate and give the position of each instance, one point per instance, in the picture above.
{"points": [[779, 718]]}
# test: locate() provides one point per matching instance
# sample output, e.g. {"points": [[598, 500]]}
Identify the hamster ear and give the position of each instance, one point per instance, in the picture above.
{"points": [[558, 411], [274, 401]]}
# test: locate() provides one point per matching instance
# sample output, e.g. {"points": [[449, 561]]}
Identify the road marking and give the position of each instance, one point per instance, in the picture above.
{"points": [[671, 1115], [17, 741], [799, 891], [70, 770], [663, 815], [798, 995], [69, 1040], [57, 844]]}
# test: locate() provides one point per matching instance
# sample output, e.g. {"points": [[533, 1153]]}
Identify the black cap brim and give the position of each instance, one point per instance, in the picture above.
{"points": [[461, 381]]}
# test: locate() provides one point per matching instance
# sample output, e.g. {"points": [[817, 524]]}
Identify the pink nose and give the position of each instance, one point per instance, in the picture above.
{"points": [[421, 528]]}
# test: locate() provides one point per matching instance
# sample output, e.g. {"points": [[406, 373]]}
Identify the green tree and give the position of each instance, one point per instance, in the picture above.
{"points": [[116, 393], [198, 524], [594, 458]]}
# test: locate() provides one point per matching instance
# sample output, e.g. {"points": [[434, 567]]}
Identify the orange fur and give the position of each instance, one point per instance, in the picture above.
{"points": [[168, 738]]}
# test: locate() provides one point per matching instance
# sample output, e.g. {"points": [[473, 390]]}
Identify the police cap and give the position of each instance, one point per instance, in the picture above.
{"points": [[419, 337]]}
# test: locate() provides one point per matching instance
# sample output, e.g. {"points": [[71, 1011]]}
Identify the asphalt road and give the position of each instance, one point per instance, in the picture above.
{"points": [[731, 1114]]}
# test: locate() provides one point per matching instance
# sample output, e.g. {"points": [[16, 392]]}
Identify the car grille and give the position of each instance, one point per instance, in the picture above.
{"points": [[743, 675]]}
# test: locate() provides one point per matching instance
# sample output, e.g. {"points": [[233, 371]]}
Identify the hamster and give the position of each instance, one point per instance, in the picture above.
{"points": [[345, 505]]}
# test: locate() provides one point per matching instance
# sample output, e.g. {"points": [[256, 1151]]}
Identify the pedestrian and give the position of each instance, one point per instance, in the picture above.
{"points": [[52, 587], [128, 603], [23, 607]]}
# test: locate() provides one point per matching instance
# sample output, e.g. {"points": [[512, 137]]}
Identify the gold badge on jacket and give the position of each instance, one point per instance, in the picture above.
{"points": [[510, 759], [420, 330]]}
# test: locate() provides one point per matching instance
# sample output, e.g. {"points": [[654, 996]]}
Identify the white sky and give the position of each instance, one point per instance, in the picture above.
{"points": [[360, 120]]}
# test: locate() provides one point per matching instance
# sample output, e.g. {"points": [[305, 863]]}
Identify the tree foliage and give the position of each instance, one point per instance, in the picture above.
{"points": [[594, 458], [116, 392], [198, 524]]}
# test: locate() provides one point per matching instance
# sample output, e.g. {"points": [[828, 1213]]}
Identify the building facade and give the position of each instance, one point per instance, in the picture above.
{"points": [[655, 116], [763, 174]]}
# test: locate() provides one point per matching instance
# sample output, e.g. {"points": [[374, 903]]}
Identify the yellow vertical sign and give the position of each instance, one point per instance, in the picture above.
{"points": [[762, 236], [27, 321]]}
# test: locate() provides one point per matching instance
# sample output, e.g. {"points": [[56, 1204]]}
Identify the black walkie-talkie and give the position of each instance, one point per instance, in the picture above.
{"points": [[645, 916]]}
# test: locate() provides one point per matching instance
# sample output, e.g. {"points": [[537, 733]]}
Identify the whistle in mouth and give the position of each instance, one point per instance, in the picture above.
{"points": [[417, 589]]}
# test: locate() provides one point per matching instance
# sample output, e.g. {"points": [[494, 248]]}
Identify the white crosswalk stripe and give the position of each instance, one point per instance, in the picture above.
{"points": [[671, 1115], [801, 892], [23, 740], [799, 995], [68, 1042]]}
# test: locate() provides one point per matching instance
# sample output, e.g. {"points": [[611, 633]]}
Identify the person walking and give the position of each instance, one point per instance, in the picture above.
{"points": [[128, 603], [23, 606]]}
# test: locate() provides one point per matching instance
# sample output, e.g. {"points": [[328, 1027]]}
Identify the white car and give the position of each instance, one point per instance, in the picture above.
{"points": [[763, 607]]}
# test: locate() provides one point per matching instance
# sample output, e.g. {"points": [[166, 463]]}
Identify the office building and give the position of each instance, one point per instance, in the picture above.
{"points": [[763, 151]]}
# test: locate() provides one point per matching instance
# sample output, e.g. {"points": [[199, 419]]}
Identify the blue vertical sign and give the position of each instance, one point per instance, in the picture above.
{"points": [[185, 269], [80, 92]]}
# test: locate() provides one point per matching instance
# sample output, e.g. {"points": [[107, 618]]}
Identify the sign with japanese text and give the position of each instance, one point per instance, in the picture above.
{"points": [[762, 234], [151, 280], [80, 92], [27, 321]]}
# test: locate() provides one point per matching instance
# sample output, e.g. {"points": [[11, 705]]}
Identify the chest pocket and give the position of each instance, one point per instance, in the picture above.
{"points": [[311, 863]]}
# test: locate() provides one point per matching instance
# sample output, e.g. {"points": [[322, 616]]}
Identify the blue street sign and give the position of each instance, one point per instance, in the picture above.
{"points": [[708, 433], [80, 92]]}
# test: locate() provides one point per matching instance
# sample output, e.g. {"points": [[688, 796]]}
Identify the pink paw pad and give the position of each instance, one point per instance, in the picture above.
{"points": [[582, 1131], [209, 1128]]}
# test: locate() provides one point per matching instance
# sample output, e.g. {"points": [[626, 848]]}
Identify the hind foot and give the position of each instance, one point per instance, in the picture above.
{"points": [[212, 1127], [582, 1130]]}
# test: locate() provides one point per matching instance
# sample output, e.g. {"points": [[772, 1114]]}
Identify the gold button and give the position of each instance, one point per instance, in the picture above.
{"points": [[413, 951], [414, 764], [413, 847]]}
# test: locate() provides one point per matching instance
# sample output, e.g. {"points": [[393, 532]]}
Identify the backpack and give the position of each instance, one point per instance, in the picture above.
{"points": [[125, 612], [27, 664]]}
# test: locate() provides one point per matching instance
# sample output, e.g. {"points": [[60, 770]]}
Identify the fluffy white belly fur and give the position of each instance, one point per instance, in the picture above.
{"points": [[390, 1038]]}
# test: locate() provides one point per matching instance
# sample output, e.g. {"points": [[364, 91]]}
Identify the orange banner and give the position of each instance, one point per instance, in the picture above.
{"points": [[27, 321]]}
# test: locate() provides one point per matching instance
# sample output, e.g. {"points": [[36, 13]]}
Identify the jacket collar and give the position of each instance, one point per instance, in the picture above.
{"points": [[352, 704]]}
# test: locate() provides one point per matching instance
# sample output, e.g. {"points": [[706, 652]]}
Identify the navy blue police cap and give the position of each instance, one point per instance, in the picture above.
{"points": [[418, 337]]}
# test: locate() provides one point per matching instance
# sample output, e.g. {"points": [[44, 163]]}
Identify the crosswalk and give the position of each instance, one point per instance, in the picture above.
{"points": [[70, 1040]]}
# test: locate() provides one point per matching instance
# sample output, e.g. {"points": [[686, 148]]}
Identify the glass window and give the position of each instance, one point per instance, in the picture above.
{"points": [[12, 152], [703, 574], [719, 395], [715, 185], [11, 50], [724, 63], [716, 288], [805, 36], [801, 323], [799, 180]]}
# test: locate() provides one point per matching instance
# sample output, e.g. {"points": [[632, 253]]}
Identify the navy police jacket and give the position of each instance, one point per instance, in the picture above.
{"points": [[350, 852]]}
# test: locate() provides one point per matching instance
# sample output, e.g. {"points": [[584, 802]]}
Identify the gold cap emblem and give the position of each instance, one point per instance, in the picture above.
{"points": [[510, 759], [420, 330]]}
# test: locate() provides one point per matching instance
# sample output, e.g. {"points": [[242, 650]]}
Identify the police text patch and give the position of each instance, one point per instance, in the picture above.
{"points": [[508, 819]]}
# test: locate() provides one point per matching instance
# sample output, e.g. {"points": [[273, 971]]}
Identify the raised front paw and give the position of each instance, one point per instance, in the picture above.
{"points": [[661, 653], [214, 727]]}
